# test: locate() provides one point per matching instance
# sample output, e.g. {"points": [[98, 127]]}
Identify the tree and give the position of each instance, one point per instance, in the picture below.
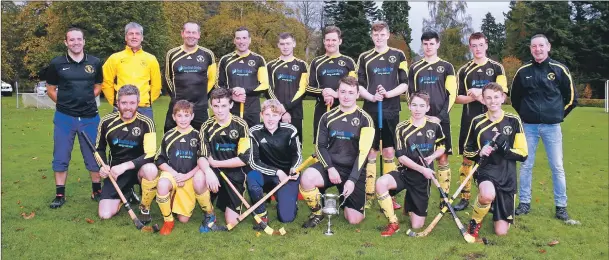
{"points": [[351, 18], [516, 31], [395, 14], [11, 38], [451, 21], [176, 14], [309, 14], [452, 48], [495, 33], [511, 64]]}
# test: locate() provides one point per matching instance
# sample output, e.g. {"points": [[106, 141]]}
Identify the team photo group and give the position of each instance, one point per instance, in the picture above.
{"points": [[224, 148]]}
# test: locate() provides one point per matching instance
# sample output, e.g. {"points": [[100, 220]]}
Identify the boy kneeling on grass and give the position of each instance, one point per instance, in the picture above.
{"points": [[496, 178], [181, 183]]}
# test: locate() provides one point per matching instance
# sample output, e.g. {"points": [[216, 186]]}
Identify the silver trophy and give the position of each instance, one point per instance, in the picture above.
{"points": [[330, 208]]}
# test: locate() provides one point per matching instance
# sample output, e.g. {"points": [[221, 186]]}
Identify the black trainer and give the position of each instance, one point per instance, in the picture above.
{"points": [[523, 209], [313, 221], [463, 203], [561, 213], [442, 204], [145, 215], [57, 202], [96, 196], [133, 199]]}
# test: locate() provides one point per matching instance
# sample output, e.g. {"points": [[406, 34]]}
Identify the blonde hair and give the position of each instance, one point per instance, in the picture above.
{"points": [[274, 105]]}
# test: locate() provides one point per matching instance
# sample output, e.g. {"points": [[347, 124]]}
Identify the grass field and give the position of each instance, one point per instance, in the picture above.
{"points": [[65, 233]]}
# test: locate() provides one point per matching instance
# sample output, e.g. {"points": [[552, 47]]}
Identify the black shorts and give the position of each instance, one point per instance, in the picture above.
{"points": [[390, 122], [297, 122], [357, 199], [125, 182], [200, 117], [226, 197], [504, 201], [448, 140], [417, 190]]}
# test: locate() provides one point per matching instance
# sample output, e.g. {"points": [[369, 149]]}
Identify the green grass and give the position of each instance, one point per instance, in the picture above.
{"points": [[27, 146]]}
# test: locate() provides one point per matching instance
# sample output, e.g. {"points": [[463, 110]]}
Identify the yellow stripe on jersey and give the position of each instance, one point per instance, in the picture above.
{"points": [[520, 145], [451, 85], [502, 81], [302, 86], [365, 144], [243, 145], [263, 77], [212, 74]]}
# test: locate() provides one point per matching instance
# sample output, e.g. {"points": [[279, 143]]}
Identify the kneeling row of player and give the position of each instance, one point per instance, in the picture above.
{"points": [[193, 163]]}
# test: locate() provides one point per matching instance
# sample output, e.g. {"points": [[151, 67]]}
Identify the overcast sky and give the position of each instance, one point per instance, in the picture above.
{"points": [[477, 10]]}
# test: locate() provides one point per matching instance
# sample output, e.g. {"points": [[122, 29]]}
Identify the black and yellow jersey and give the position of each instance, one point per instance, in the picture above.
{"points": [[428, 138], [133, 140], [389, 69], [179, 150], [279, 150], [190, 75], [223, 142], [247, 71], [473, 75], [288, 82], [344, 139], [439, 81], [500, 167], [325, 72]]}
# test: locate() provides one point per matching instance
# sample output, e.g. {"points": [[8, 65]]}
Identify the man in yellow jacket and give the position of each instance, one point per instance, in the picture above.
{"points": [[133, 66]]}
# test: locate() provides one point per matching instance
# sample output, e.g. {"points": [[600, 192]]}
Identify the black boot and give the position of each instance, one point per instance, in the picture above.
{"points": [[523, 209], [463, 203], [561, 213]]}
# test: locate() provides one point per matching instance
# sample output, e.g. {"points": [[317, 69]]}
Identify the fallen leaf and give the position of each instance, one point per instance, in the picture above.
{"points": [[19, 229], [541, 183], [28, 216], [78, 180], [21, 207], [90, 221], [15, 182], [537, 200], [553, 243], [257, 234], [76, 219], [357, 230], [34, 158], [542, 251], [18, 202], [44, 176], [251, 249]]}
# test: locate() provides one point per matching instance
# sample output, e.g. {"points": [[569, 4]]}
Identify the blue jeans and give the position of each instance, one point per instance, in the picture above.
{"points": [[65, 130], [147, 111], [287, 196], [551, 136]]}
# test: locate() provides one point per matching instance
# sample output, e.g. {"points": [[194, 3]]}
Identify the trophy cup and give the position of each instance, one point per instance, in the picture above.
{"points": [[330, 208]]}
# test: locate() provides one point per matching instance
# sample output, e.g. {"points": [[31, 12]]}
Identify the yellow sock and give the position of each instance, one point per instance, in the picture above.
{"points": [[387, 207], [148, 191], [204, 201], [312, 198], [480, 211], [463, 172], [261, 215], [444, 178], [389, 165], [165, 206], [370, 178]]}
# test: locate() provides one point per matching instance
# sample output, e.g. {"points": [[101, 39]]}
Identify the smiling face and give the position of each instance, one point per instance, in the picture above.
{"points": [[493, 99], [183, 119], [332, 42], [242, 41], [134, 38], [127, 106], [347, 95], [540, 47], [221, 108], [75, 42], [190, 35], [418, 108], [380, 38]]}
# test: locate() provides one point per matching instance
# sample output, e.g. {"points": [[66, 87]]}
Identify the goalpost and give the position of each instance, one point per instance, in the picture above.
{"points": [[607, 96]]}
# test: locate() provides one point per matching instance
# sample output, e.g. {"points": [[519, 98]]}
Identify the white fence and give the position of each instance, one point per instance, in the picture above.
{"points": [[38, 100]]}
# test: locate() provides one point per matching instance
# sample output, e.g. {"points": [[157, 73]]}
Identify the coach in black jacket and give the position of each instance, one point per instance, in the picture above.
{"points": [[543, 95]]}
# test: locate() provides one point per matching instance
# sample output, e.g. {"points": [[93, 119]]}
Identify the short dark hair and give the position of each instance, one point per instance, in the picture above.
{"points": [[380, 25], [332, 29], [183, 105], [430, 35], [243, 28], [420, 94], [492, 86], [477, 36], [285, 35], [75, 29], [351, 81], [220, 93]]}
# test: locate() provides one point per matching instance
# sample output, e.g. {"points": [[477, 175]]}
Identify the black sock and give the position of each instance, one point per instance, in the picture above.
{"points": [[96, 186], [60, 190]]}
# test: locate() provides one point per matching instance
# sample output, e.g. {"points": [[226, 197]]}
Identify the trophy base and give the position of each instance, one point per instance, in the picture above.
{"points": [[329, 233]]}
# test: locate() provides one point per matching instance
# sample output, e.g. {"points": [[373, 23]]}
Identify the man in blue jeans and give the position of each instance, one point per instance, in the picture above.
{"points": [[543, 95], [73, 81]]}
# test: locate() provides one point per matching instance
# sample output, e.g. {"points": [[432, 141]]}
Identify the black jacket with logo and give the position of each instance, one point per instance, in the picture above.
{"points": [[543, 93]]}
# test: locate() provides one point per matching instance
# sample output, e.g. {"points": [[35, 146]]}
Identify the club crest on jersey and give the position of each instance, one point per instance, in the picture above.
{"points": [[295, 67], [193, 142], [233, 134], [431, 134], [143, 63], [440, 69], [551, 76], [507, 130], [355, 121], [136, 131], [342, 63], [490, 72], [89, 69], [251, 63], [392, 59], [200, 58]]}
